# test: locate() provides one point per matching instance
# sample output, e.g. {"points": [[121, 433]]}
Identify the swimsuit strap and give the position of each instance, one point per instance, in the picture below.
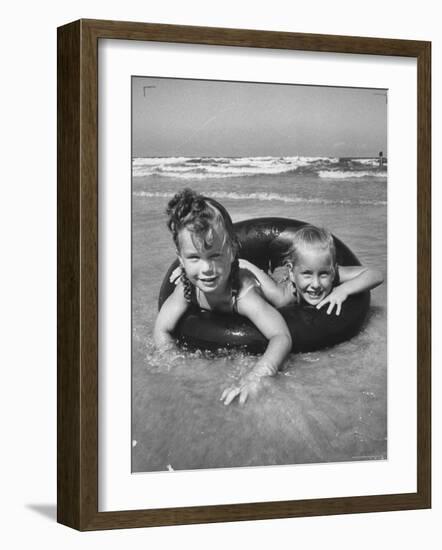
{"points": [[234, 302], [197, 293], [196, 299], [235, 296]]}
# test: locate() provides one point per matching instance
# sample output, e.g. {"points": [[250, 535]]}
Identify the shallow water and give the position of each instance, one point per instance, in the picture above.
{"points": [[325, 406]]}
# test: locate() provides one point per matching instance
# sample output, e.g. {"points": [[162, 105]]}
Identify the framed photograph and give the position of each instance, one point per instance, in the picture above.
{"points": [[243, 275]]}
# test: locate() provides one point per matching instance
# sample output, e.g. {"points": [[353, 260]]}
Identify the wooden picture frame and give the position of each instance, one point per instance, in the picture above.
{"points": [[77, 223]]}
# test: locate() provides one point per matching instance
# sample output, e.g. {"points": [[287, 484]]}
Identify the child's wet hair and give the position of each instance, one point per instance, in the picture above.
{"points": [[310, 236], [203, 217]]}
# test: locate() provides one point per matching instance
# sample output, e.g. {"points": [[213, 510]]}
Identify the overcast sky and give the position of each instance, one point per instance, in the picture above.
{"points": [[175, 117]]}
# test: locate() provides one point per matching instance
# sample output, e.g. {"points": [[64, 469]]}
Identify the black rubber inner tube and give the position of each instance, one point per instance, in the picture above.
{"points": [[264, 242]]}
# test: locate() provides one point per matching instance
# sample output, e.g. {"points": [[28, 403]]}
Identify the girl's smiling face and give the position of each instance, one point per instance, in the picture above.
{"points": [[313, 274], [206, 267]]}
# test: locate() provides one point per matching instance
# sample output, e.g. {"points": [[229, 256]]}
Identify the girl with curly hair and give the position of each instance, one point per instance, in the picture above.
{"points": [[211, 278]]}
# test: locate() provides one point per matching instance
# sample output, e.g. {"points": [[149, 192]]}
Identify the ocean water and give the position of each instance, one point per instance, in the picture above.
{"points": [[327, 406]]}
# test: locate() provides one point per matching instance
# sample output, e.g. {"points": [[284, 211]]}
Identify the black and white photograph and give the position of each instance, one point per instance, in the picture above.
{"points": [[164, 161], [259, 261]]}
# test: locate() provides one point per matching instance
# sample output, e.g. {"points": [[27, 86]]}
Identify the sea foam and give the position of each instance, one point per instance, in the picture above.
{"points": [[223, 195]]}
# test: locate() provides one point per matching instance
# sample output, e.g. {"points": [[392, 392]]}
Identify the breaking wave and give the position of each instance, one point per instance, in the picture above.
{"points": [[228, 167], [264, 197]]}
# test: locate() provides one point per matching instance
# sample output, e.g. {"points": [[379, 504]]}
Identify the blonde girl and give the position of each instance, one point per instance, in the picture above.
{"points": [[314, 277]]}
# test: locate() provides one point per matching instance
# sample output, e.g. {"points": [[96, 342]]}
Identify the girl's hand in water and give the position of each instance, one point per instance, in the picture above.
{"points": [[336, 297], [248, 385]]}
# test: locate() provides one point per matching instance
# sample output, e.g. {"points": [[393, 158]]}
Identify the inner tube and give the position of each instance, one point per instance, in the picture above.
{"points": [[264, 242]]}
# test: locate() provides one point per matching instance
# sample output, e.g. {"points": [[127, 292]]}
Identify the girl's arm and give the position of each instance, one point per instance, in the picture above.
{"points": [[168, 316], [272, 325], [276, 294], [354, 279]]}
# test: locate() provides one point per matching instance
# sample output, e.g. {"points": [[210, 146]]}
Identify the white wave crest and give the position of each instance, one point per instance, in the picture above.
{"points": [[219, 167], [370, 161], [343, 174], [232, 195], [155, 161]]}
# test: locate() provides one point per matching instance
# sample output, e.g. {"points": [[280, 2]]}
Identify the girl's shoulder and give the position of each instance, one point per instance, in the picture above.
{"points": [[246, 277], [247, 281]]}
